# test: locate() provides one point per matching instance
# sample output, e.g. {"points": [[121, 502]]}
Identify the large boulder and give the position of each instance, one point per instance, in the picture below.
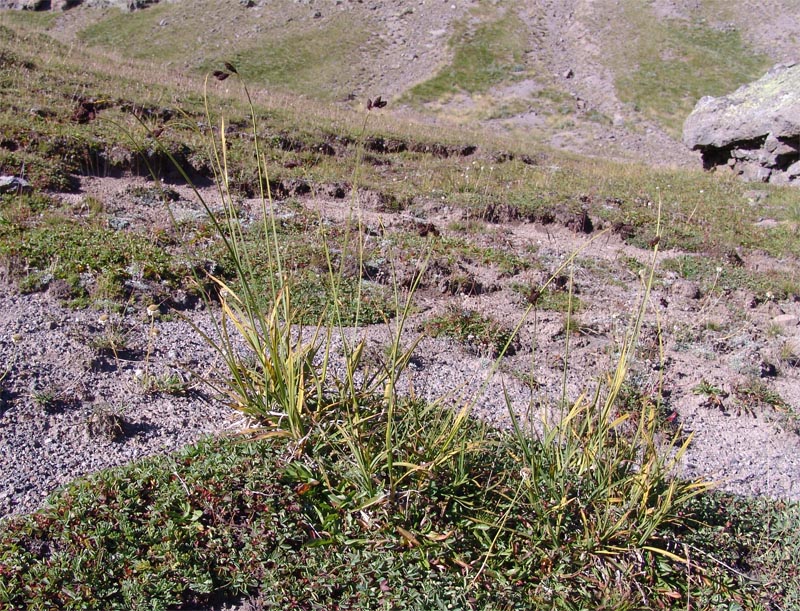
{"points": [[755, 131]]}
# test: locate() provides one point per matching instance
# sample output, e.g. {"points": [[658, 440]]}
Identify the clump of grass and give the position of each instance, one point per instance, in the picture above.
{"points": [[172, 383], [93, 261], [113, 337], [718, 276], [714, 395], [790, 354], [106, 423], [548, 298], [477, 331], [754, 395], [637, 400], [45, 398]]}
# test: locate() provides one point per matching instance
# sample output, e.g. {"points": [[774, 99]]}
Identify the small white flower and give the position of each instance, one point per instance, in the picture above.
{"points": [[719, 270], [152, 309]]}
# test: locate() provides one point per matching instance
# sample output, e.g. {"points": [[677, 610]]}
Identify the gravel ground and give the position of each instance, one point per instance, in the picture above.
{"points": [[69, 405], [70, 408]]}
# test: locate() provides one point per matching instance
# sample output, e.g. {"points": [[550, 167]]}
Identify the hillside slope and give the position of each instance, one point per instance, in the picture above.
{"points": [[601, 78]]}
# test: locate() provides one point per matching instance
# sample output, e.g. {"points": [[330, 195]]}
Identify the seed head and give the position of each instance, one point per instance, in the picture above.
{"points": [[376, 103], [220, 75]]}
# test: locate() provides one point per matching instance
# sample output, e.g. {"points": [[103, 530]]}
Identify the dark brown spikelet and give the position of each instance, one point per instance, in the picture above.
{"points": [[230, 68], [376, 103], [654, 242], [221, 75], [534, 293]]}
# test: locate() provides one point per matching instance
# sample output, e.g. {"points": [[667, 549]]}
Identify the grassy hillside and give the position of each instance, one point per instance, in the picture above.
{"points": [[320, 59], [663, 66], [659, 64], [486, 53], [69, 112]]}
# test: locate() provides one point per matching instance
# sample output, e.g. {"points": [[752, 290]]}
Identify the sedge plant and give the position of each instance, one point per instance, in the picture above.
{"points": [[598, 477], [310, 381]]}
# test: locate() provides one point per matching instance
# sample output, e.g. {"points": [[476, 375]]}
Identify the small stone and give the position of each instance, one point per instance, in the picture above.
{"points": [[118, 224], [763, 174], [14, 184], [766, 223], [105, 424], [768, 370], [689, 290], [755, 196], [786, 321]]}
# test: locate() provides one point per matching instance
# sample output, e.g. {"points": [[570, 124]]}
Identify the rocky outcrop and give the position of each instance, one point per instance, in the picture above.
{"points": [[14, 184], [754, 131]]}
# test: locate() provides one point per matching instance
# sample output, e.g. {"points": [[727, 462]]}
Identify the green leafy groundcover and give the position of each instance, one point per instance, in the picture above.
{"points": [[229, 517], [218, 518]]}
